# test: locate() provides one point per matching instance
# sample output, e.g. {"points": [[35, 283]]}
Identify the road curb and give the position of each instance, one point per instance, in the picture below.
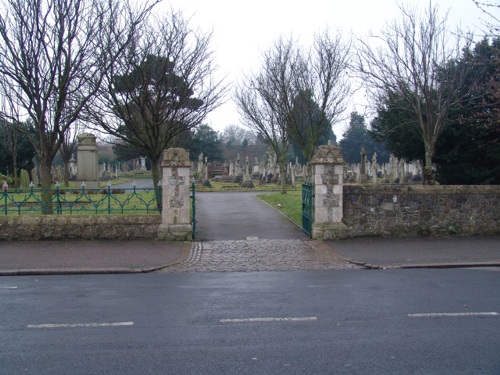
{"points": [[98, 271], [424, 265], [72, 271]]}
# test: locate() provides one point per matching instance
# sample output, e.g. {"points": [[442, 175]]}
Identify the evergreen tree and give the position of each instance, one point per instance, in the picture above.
{"points": [[394, 128], [357, 136], [204, 140], [16, 151], [311, 128], [469, 151]]}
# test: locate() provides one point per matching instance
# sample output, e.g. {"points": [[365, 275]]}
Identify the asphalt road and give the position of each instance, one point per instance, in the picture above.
{"points": [[304, 322]]}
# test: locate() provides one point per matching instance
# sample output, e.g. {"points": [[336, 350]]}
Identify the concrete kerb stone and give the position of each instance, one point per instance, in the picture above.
{"points": [[73, 271], [423, 265]]}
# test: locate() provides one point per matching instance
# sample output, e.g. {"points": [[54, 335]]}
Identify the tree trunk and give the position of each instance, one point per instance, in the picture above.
{"points": [[282, 162], [45, 183], [66, 174], [156, 171], [309, 172], [428, 176], [14, 168]]}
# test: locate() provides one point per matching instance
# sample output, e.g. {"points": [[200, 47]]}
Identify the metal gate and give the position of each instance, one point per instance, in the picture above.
{"points": [[307, 207], [193, 209]]}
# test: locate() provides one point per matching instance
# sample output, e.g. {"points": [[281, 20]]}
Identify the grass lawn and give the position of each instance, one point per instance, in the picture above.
{"points": [[290, 204], [229, 186], [77, 202]]}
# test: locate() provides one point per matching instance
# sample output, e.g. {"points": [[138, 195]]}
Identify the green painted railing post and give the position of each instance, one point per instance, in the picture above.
{"points": [[58, 200], [109, 197], [307, 207], [193, 206], [5, 194]]}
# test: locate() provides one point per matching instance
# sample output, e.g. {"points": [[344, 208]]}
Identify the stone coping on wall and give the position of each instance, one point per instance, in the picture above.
{"points": [[421, 189]]}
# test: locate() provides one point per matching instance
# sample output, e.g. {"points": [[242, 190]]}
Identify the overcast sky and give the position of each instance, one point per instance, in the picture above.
{"points": [[243, 29]]}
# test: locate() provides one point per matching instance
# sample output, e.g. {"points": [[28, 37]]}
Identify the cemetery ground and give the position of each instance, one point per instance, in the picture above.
{"points": [[245, 251], [266, 300]]}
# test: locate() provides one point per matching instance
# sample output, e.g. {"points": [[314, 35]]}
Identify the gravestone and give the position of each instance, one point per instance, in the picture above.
{"points": [[87, 165], [374, 168], [25, 178], [247, 180], [72, 167], [200, 165], [206, 181], [143, 164], [238, 174], [34, 177]]}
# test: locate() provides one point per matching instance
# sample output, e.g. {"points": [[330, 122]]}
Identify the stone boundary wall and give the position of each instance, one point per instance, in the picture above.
{"points": [[416, 210], [96, 227]]}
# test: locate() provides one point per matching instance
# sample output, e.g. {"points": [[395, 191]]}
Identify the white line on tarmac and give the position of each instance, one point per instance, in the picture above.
{"points": [[7, 287], [80, 325], [433, 315], [269, 319]]}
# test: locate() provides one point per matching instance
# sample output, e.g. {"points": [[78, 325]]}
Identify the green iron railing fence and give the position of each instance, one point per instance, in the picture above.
{"points": [[193, 208], [69, 201], [307, 207]]}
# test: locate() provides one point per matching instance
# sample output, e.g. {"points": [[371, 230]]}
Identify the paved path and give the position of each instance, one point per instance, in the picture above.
{"points": [[238, 216]]}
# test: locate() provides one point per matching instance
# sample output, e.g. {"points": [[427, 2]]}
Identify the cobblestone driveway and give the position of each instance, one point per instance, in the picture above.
{"points": [[260, 255]]}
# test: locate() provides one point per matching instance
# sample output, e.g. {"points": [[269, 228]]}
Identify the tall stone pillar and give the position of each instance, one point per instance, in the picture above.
{"points": [[328, 176], [87, 161], [175, 223]]}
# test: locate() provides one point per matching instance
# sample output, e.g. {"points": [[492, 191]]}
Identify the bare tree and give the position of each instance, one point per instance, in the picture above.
{"points": [[68, 147], [53, 55], [264, 100], [233, 134], [413, 62], [320, 90], [493, 22], [9, 135], [164, 86], [298, 95]]}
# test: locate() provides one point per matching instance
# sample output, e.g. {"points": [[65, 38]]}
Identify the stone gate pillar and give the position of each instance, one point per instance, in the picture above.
{"points": [[328, 179], [175, 218]]}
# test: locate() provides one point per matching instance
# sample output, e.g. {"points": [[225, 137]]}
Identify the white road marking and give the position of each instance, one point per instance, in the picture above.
{"points": [[7, 287], [269, 319], [80, 325], [433, 315]]}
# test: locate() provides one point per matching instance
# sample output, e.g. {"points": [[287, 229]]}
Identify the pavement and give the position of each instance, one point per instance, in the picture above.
{"points": [[251, 254], [236, 232]]}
